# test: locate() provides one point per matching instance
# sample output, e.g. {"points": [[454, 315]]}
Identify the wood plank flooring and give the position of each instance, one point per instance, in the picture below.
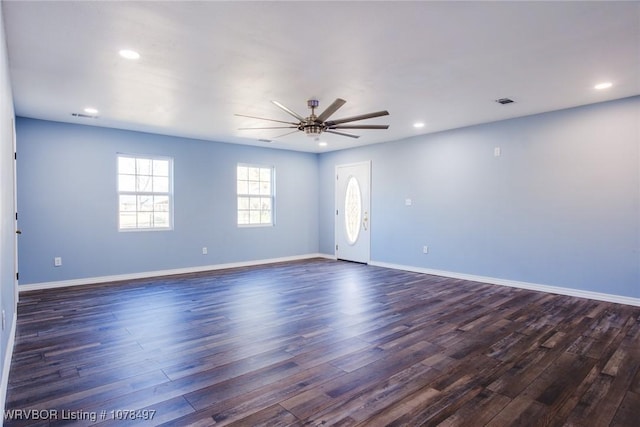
{"points": [[321, 342]]}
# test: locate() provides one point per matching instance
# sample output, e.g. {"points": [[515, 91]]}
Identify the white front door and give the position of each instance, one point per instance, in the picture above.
{"points": [[353, 216]]}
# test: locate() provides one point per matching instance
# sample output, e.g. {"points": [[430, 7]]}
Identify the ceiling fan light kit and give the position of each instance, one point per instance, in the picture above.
{"points": [[315, 125]]}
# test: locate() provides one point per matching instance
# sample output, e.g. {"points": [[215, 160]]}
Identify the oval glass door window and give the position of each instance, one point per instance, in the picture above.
{"points": [[352, 210]]}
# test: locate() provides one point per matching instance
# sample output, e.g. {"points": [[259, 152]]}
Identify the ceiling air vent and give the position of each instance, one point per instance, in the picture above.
{"points": [[264, 140], [84, 116], [504, 101]]}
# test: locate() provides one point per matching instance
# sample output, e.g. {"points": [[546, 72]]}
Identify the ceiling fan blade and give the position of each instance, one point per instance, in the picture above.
{"points": [[262, 118], [356, 118], [359, 127], [330, 110], [288, 133], [293, 113], [342, 133], [271, 127]]}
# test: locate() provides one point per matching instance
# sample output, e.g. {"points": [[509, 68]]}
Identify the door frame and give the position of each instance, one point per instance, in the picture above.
{"points": [[338, 203], [16, 296]]}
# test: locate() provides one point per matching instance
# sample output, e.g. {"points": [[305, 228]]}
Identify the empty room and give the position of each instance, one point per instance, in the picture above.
{"points": [[288, 213]]}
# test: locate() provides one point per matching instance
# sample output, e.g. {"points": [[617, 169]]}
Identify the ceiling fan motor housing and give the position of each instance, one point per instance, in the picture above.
{"points": [[312, 129]]}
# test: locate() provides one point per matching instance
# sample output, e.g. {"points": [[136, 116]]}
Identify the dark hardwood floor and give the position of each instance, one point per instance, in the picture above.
{"points": [[322, 342]]}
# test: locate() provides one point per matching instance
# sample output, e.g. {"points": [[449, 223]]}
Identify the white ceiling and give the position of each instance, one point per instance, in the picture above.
{"points": [[443, 63]]}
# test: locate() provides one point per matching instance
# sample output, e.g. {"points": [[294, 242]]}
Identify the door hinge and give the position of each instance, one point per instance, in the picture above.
{"points": [[16, 216], [15, 156], [17, 276], [336, 247], [336, 211]]}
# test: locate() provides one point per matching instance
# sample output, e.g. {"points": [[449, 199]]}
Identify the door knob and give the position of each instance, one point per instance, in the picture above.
{"points": [[18, 231]]}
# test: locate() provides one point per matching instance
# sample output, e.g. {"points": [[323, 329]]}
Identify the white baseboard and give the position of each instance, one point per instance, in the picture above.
{"points": [[6, 365], [484, 279], [516, 284], [158, 273]]}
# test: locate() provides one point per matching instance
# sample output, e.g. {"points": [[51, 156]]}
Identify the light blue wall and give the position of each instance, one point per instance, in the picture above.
{"points": [[560, 206], [7, 209], [68, 204]]}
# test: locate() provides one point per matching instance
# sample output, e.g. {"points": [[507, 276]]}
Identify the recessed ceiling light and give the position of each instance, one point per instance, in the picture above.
{"points": [[603, 85], [418, 125], [91, 110], [322, 144], [129, 54]]}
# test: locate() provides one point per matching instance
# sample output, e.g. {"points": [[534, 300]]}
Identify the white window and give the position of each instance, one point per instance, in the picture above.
{"points": [[145, 193], [256, 195]]}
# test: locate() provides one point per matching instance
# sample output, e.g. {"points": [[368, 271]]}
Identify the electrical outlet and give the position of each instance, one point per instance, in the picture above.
{"points": [[57, 261], [204, 250], [425, 249]]}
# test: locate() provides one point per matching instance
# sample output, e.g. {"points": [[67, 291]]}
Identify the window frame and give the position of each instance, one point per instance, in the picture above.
{"points": [[136, 193], [248, 195]]}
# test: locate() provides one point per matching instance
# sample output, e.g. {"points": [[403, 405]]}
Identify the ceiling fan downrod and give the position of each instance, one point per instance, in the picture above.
{"points": [[311, 127]]}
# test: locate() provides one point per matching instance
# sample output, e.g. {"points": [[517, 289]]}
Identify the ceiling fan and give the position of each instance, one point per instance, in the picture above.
{"points": [[315, 125]]}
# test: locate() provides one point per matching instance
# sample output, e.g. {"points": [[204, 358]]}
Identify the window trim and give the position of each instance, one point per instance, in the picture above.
{"points": [[169, 194], [272, 196]]}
